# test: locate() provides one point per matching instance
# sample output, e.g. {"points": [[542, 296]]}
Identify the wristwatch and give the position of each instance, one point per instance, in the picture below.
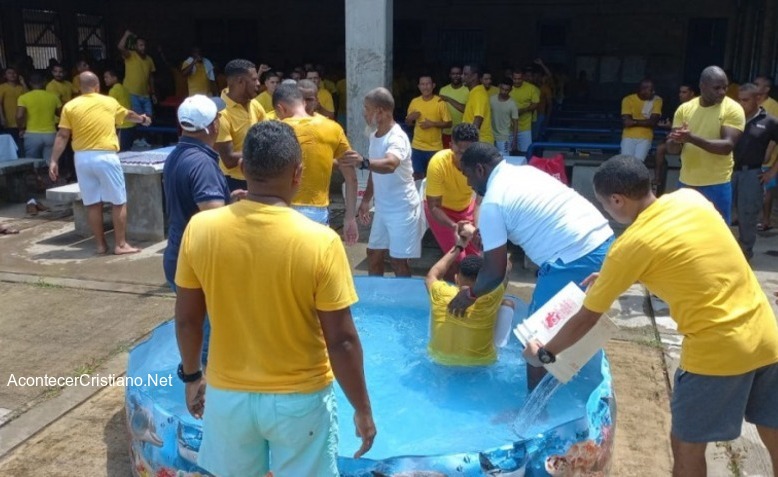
{"points": [[545, 356], [365, 164], [188, 378]]}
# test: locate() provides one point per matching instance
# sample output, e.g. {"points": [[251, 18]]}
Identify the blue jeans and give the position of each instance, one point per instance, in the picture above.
{"points": [[141, 104], [719, 194], [170, 273], [126, 138]]}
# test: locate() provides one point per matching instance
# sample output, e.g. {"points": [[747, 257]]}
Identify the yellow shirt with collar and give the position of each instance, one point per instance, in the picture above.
{"points": [[41, 109], [234, 123], [266, 100], [682, 251], [63, 90], [325, 100], [459, 95], [122, 96], [250, 332], [9, 95], [632, 106], [525, 95], [699, 167], [434, 109], [92, 119], [465, 341], [136, 73], [322, 141], [446, 181], [478, 105]]}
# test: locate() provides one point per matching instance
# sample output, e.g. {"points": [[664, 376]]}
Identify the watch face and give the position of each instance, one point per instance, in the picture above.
{"points": [[544, 356]]}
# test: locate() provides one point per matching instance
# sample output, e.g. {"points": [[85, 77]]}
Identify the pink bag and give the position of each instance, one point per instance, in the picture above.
{"points": [[555, 166]]}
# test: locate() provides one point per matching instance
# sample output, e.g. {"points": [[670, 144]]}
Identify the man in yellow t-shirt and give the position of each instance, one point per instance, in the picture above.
{"points": [[59, 86], [91, 119], [454, 94], [240, 260], [81, 66], [199, 73], [764, 84], [640, 114], [138, 78], [472, 339], [326, 104], [527, 98], [705, 130], [341, 88], [429, 115], [241, 113], [265, 98], [323, 142], [478, 110], [117, 91], [679, 248], [36, 117], [448, 198], [488, 83], [9, 95]]}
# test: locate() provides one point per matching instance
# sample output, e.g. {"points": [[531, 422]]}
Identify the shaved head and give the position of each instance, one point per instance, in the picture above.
{"points": [[89, 82], [712, 73]]}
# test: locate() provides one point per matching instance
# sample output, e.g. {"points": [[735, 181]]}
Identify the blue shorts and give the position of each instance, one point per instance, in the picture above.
{"points": [[712, 408], [241, 430], [720, 195], [317, 214], [553, 276], [141, 104], [420, 160], [773, 183]]}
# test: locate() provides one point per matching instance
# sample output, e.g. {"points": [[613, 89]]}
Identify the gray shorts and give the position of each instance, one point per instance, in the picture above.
{"points": [[712, 408]]}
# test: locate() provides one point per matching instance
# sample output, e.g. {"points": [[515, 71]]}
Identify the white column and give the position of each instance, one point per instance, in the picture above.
{"points": [[368, 59]]}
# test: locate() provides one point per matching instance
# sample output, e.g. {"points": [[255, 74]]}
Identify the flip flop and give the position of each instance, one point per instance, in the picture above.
{"points": [[763, 227]]}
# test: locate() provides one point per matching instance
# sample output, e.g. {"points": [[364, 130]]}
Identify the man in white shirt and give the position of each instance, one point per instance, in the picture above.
{"points": [[397, 223], [558, 229]]}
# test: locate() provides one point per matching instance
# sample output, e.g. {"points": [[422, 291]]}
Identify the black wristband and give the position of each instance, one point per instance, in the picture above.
{"points": [[188, 378], [365, 164]]}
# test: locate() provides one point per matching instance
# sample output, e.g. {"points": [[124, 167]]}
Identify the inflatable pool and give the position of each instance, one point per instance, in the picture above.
{"points": [[432, 421]]}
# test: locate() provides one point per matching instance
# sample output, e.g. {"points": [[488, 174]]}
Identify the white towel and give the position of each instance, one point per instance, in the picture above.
{"points": [[648, 106], [208, 67]]}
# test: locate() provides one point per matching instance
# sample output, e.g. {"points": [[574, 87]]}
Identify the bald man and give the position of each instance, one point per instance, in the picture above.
{"points": [[91, 120]]}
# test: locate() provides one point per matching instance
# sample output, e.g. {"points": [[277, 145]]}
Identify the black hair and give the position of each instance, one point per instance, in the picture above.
{"points": [[36, 79], [287, 93], [691, 87], [238, 67], [767, 78], [624, 175], [269, 74], [464, 132], [114, 72], [470, 266], [270, 148], [480, 153], [426, 74], [507, 81]]}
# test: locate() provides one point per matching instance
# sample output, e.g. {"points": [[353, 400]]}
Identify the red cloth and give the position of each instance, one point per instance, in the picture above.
{"points": [[446, 237], [555, 166]]}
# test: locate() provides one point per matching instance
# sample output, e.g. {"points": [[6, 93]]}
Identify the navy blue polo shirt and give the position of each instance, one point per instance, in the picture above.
{"points": [[191, 175]]}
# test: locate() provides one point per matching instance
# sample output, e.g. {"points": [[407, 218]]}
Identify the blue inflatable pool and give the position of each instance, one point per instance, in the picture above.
{"points": [[432, 420]]}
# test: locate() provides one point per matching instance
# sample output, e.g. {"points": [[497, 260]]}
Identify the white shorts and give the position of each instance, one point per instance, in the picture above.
{"points": [[523, 140], [635, 147], [100, 177], [397, 232]]}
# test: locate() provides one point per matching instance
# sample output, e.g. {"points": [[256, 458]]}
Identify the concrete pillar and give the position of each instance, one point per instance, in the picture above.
{"points": [[368, 59]]}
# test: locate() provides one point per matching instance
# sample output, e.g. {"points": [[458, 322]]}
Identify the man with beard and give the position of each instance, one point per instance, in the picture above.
{"points": [[138, 69], [59, 85], [454, 93]]}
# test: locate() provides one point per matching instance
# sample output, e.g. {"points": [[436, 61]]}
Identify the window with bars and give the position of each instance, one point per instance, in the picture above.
{"points": [[3, 59], [458, 46], [41, 36], [91, 35]]}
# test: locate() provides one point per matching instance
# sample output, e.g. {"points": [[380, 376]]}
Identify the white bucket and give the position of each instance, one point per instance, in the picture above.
{"points": [[549, 319]]}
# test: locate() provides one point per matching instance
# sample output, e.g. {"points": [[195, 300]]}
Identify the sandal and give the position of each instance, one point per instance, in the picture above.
{"points": [[763, 227]]}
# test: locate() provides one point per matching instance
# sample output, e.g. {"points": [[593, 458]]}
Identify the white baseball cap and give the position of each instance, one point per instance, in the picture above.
{"points": [[199, 111]]}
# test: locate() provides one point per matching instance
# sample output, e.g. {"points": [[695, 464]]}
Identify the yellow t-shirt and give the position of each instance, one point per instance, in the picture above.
{"points": [[525, 95], [197, 82], [41, 109], [632, 106], [434, 109], [120, 94], [234, 123], [329, 85], [771, 106], [699, 167], [325, 99], [63, 90], [446, 181], [321, 141], [76, 86], [492, 91], [92, 119], [466, 341], [266, 100], [682, 251], [136, 73], [459, 95], [265, 333], [10, 95], [478, 105]]}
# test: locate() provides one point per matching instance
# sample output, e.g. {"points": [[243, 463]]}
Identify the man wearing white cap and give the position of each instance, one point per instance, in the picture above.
{"points": [[192, 178]]}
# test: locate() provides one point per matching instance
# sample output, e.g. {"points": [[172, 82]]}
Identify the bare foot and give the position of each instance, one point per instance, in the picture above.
{"points": [[125, 249], [6, 230], [101, 250]]}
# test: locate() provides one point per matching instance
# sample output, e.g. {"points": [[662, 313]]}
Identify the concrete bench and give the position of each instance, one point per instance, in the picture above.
{"points": [[71, 193], [13, 178]]}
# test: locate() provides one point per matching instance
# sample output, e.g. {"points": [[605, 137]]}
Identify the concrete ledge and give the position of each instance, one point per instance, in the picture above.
{"points": [[20, 165], [66, 193]]}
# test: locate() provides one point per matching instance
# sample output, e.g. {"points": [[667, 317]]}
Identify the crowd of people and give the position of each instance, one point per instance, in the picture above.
{"points": [[247, 192]]}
